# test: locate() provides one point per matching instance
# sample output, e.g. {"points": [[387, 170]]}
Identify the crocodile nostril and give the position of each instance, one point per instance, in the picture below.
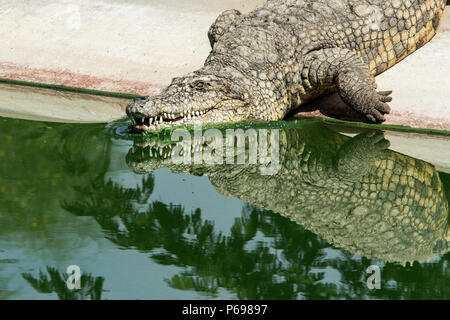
{"points": [[136, 103], [139, 101]]}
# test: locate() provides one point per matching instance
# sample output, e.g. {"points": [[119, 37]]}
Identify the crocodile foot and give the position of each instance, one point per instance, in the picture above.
{"points": [[378, 107]]}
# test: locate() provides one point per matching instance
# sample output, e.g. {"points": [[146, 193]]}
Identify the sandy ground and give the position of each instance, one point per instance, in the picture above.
{"points": [[138, 46], [131, 46]]}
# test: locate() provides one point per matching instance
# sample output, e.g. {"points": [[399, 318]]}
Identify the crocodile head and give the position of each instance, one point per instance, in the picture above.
{"points": [[194, 99]]}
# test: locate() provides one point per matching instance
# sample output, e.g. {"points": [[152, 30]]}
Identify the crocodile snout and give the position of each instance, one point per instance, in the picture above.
{"points": [[134, 106]]}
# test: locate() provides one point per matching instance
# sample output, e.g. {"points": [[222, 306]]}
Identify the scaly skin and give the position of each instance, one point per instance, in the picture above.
{"points": [[265, 64], [352, 192]]}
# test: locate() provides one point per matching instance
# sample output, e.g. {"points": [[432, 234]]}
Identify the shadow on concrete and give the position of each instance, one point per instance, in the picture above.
{"points": [[331, 106]]}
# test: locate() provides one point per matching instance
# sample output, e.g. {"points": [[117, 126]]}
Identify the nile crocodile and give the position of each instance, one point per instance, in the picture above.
{"points": [[265, 64], [353, 192]]}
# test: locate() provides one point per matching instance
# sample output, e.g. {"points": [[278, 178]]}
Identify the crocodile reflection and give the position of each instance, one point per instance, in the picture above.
{"points": [[353, 192]]}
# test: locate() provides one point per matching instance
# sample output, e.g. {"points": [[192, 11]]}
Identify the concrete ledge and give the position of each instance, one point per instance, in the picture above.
{"points": [[137, 47], [434, 149], [58, 106]]}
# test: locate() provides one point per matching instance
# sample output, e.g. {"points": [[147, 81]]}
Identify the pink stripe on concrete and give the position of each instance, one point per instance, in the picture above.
{"points": [[70, 79]]}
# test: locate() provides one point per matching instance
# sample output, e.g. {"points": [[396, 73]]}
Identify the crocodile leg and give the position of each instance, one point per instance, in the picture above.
{"points": [[356, 156], [352, 78]]}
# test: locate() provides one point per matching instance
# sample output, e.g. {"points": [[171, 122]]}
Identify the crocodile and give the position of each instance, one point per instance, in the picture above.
{"points": [[265, 64], [353, 192]]}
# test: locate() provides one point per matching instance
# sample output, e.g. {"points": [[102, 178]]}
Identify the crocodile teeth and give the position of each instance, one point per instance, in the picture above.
{"points": [[160, 120]]}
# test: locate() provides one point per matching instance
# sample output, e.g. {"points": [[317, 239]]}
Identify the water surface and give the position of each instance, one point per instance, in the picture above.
{"points": [[140, 227]]}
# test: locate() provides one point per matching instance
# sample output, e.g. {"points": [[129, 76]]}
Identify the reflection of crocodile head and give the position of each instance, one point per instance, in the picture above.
{"points": [[353, 192]]}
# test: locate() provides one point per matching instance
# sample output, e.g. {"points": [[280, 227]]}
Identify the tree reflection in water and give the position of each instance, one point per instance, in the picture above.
{"points": [[55, 282], [290, 263]]}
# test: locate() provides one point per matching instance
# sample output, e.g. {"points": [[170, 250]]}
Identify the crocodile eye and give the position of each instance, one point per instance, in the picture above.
{"points": [[200, 85]]}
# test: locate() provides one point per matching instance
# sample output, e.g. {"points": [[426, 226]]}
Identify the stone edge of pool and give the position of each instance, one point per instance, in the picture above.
{"points": [[73, 105], [117, 102]]}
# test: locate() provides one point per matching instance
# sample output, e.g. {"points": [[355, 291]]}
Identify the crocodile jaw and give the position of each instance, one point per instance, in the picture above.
{"points": [[146, 116]]}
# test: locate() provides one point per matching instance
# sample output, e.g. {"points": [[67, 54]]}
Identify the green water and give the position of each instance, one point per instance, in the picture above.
{"points": [[70, 195]]}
